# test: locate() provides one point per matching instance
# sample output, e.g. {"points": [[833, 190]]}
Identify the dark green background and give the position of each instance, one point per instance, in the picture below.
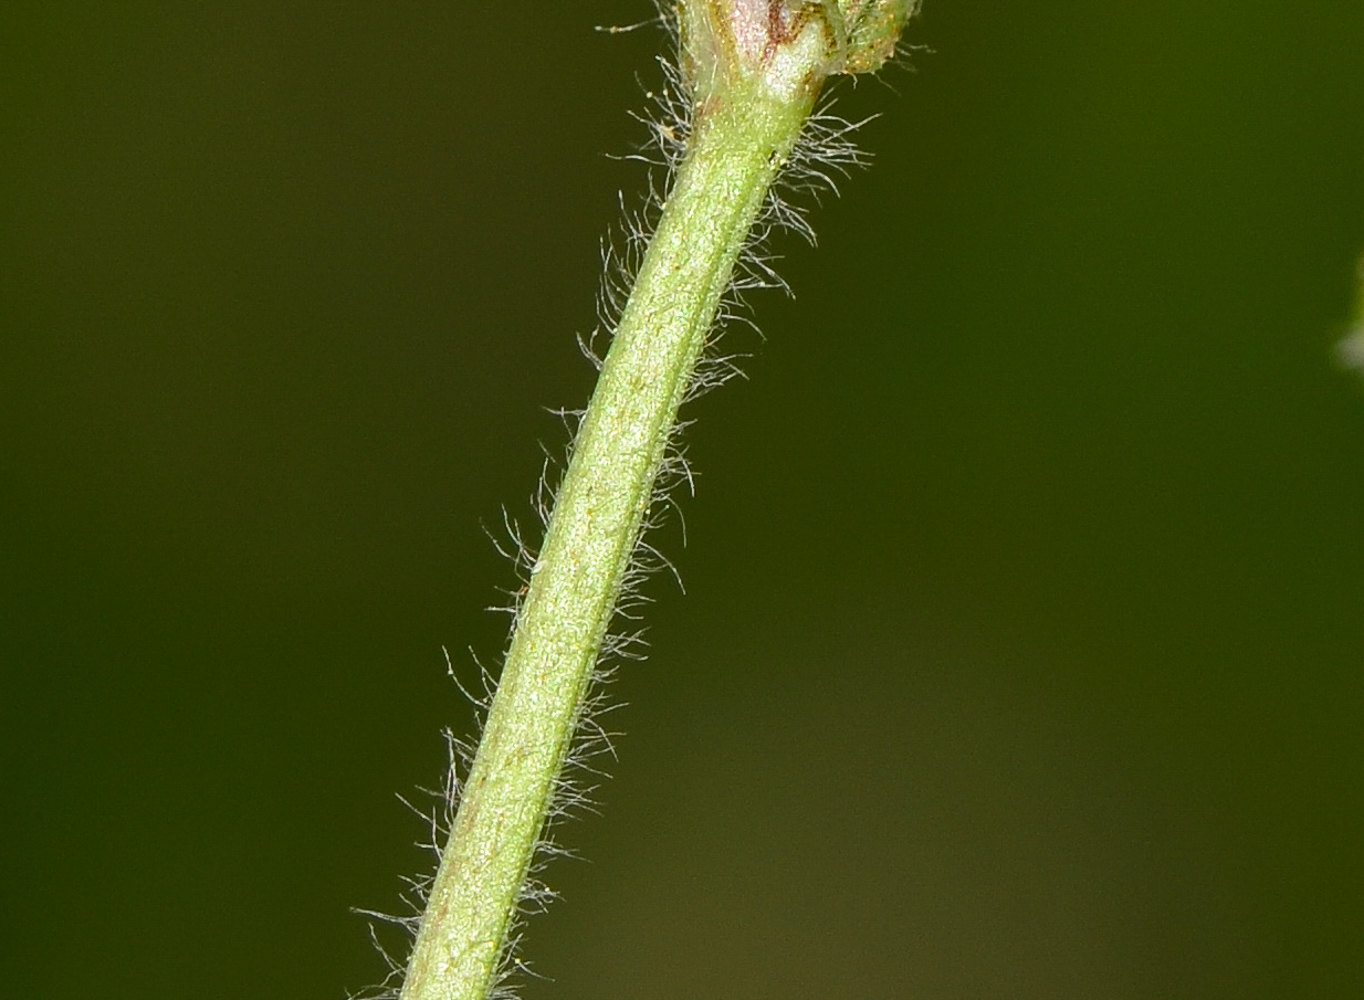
{"points": [[1022, 649]]}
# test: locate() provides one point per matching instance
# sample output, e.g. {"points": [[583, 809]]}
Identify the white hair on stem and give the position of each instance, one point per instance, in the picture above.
{"points": [[824, 153]]}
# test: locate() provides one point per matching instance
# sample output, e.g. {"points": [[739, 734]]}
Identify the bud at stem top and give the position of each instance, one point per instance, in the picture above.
{"points": [[785, 46]]}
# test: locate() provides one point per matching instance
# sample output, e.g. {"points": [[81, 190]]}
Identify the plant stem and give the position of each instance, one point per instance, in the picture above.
{"points": [[750, 102]]}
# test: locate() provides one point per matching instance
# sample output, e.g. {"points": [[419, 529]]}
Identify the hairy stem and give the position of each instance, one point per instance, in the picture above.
{"points": [[754, 68]]}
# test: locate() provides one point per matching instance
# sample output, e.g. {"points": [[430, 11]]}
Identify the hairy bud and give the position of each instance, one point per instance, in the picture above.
{"points": [[785, 46]]}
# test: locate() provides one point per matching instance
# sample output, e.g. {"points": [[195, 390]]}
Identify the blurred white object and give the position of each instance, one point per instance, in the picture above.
{"points": [[1350, 349]]}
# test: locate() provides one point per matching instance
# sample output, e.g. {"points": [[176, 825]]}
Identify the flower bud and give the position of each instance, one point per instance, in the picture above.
{"points": [[785, 46]]}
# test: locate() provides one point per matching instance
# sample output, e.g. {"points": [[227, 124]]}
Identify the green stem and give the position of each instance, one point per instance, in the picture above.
{"points": [[750, 105]]}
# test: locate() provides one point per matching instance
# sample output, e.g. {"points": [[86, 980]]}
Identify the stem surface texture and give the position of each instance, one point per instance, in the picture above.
{"points": [[754, 69]]}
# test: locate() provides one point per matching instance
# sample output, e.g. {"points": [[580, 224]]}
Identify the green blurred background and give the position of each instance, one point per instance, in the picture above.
{"points": [[1021, 655]]}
